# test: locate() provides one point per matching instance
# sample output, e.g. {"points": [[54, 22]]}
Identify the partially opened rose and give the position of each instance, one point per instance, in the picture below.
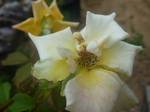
{"points": [[97, 56], [47, 19]]}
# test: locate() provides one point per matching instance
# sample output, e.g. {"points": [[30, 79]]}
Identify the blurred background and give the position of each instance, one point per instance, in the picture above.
{"points": [[132, 15]]}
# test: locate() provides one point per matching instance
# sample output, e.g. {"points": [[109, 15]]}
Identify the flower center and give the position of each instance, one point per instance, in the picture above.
{"points": [[87, 59]]}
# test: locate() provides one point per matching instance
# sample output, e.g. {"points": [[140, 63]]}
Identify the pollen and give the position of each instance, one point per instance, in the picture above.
{"points": [[87, 59]]}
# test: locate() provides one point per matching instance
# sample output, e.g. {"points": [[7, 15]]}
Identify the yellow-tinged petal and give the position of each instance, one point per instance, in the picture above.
{"points": [[40, 9], [54, 11], [89, 76], [29, 25], [119, 57], [51, 70], [48, 45], [59, 25], [95, 91], [126, 100]]}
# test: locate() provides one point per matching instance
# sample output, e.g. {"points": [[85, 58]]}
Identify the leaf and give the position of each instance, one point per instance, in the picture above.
{"points": [[45, 108], [43, 91], [58, 100], [136, 39], [22, 74], [3, 76], [4, 92], [22, 102], [15, 58]]}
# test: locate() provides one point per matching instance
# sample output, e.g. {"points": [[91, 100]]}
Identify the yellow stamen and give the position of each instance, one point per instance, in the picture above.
{"points": [[87, 59]]}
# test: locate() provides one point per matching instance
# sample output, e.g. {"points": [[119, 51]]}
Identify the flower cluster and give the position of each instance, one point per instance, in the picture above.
{"points": [[97, 56]]}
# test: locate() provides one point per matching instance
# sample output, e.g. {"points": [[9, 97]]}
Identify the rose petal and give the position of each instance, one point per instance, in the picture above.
{"points": [[102, 30], [47, 45], [39, 9], [96, 26], [51, 70], [120, 57], [126, 100], [92, 91]]}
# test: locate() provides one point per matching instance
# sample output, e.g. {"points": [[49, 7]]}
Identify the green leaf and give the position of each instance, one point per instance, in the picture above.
{"points": [[22, 102], [136, 39], [4, 92], [58, 100], [22, 74], [15, 58], [3, 76], [45, 107]]}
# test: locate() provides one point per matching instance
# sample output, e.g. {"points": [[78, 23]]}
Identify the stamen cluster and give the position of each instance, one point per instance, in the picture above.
{"points": [[86, 59]]}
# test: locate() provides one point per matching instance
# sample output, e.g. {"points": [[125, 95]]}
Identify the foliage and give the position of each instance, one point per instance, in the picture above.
{"points": [[21, 102], [136, 39], [20, 92], [5, 92], [15, 58]]}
